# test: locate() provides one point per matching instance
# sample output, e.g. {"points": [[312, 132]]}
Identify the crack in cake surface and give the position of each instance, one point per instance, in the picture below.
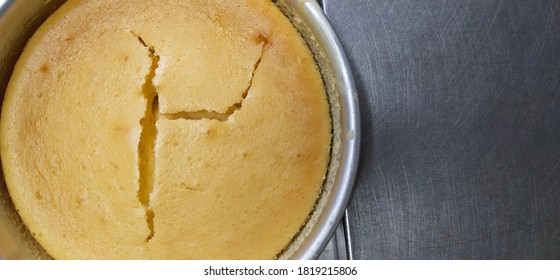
{"points": [[146, 144], [148, 135], [213, 115]]}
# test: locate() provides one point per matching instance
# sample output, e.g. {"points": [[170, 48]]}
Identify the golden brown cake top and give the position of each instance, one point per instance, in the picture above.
{"points": [[165, 129]]}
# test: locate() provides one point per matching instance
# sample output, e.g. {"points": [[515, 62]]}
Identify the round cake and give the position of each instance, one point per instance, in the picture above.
{"points": [[164, 129]]}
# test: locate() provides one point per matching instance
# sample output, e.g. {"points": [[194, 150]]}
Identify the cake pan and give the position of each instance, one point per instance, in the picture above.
{"points": [[20, 18]]}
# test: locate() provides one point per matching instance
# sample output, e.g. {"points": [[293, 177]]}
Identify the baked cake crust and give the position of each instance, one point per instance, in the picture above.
{"points": [[166, 130]]}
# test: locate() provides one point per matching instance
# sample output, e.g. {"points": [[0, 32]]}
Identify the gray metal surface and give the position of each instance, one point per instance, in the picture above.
{"points": [[460, 105]]}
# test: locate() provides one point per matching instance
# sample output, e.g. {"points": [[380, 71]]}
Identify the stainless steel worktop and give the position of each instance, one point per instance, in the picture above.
{"points": [[460, 104]]}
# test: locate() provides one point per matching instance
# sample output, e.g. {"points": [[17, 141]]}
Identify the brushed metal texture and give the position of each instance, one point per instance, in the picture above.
{"points": [[460, 110]]}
